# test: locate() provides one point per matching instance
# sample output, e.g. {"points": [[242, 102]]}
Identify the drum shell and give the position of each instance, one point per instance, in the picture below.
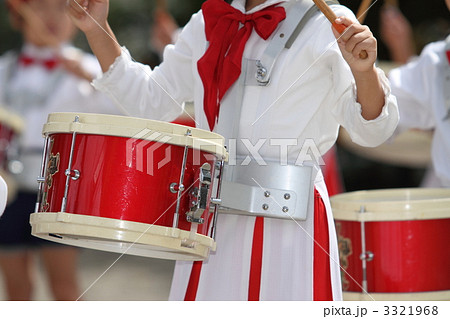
{"points": [[408, 234], [112, 186], [409, 256]]}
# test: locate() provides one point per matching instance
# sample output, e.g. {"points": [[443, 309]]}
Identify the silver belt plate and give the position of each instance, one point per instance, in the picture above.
{"points": [[272, 190]]}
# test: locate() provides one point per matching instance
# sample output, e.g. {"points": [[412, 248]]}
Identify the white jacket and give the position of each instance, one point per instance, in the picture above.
{"points": [[33, 92], [419, 87]]}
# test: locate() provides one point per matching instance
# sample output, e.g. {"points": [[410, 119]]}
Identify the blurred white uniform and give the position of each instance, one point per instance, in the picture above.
{"points": [[3, 195], [420, 87], [310, 95], [33, 91]]}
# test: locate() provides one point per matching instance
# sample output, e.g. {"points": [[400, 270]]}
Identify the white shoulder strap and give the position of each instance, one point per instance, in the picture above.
{"points": [[298, 14]]}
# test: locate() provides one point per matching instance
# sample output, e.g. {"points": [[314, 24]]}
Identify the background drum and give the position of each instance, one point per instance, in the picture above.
{"points": [[128, 185], [11, 126], [394, 243]]}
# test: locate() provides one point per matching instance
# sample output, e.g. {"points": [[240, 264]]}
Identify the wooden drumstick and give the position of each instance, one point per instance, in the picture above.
{"points": [[363, 9], [161, 4], [393, 3], [331, 16]]}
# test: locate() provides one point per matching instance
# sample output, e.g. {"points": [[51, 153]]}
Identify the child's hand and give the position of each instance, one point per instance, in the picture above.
{"points": [[74, 67], [89, 15], [355, 39], [396, 32]]}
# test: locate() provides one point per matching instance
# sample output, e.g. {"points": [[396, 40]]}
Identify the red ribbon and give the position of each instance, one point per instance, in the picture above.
{"points": [[448, 56], [220, 66], [49, 64]]}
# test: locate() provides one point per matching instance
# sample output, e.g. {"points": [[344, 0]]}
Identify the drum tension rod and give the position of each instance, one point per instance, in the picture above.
{"points": [[68, 171], [180, 185], [365, 256]]}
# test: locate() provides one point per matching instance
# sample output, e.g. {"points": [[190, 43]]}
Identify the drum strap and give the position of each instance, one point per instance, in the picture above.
{"points": [[298, 13], [10, 63], [258, 72], [446, 81]]}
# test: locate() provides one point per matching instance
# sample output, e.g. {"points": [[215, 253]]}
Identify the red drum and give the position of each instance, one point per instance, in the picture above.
{"points": [[394, 244], [128, 185], [11, 126]]}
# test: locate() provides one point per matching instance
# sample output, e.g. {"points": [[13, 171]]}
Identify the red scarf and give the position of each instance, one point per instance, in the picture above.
{"points": [[220, 66]]}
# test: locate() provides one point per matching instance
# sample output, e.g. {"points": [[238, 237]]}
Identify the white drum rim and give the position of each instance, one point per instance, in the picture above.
{"points": [[392, 204], [133, 127], [121, 236], [438, 295], [12, 120]]}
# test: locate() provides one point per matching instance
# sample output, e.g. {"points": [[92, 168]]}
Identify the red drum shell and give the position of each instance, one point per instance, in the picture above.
{"points": [[109, 188], [411, 250], [125, 177]]}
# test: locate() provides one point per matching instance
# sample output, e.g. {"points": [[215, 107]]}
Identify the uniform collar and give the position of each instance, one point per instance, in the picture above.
{"points": [[240, 5], [43, 52]]}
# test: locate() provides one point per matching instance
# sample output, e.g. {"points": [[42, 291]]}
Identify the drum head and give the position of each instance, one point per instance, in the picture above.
{"points": [[136, 128], [392, 204], [121, 236], [12, 120]]}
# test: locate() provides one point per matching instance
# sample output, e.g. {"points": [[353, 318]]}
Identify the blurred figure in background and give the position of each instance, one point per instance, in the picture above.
{"points": [[397, 33], [47, 75], [422, 88], [3, 195]]}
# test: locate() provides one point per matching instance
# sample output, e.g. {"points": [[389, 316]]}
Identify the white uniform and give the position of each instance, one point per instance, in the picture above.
{"points": [[33, 92], [310, 95], [3, 195], [420, 88]]}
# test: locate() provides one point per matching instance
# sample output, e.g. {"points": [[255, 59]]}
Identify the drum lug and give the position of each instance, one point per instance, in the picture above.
{"points": [[198, 197], [74, 174], [175, 187], [368, 256]]}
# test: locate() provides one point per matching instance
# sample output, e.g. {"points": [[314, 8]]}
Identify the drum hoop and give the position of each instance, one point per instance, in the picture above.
{"points": [[133, 127], [12, 120], [411, 296], [118, 231], [347, 206]]}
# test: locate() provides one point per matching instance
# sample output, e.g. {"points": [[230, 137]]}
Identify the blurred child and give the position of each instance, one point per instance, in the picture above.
{"points": [[47, 75], [422, 88]]}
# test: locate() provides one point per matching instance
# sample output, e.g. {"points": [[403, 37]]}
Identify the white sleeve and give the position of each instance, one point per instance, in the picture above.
{"points": [[157, 94], [347, 110], [3, 195], [412, 86]]}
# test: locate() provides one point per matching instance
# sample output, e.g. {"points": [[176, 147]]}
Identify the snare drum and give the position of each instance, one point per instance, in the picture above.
{"points": [[394, 244], [128, 185], [11, 126]]}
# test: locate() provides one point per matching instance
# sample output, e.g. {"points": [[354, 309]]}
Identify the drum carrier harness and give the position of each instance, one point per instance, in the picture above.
{"points": [[282, 191]]}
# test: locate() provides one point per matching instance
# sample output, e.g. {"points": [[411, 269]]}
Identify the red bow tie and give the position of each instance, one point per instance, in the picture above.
{"points": [[220, 66], [49, 64], [448, 55]]}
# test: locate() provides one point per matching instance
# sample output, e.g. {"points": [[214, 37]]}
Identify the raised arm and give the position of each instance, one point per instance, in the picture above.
{"points": [[91, 17], [355, 39]]}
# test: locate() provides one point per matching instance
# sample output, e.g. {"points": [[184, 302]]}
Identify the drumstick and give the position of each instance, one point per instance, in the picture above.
{"points": [[24, 10], [393, 3], [363, 9], [331, 16], [162, 5]]}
